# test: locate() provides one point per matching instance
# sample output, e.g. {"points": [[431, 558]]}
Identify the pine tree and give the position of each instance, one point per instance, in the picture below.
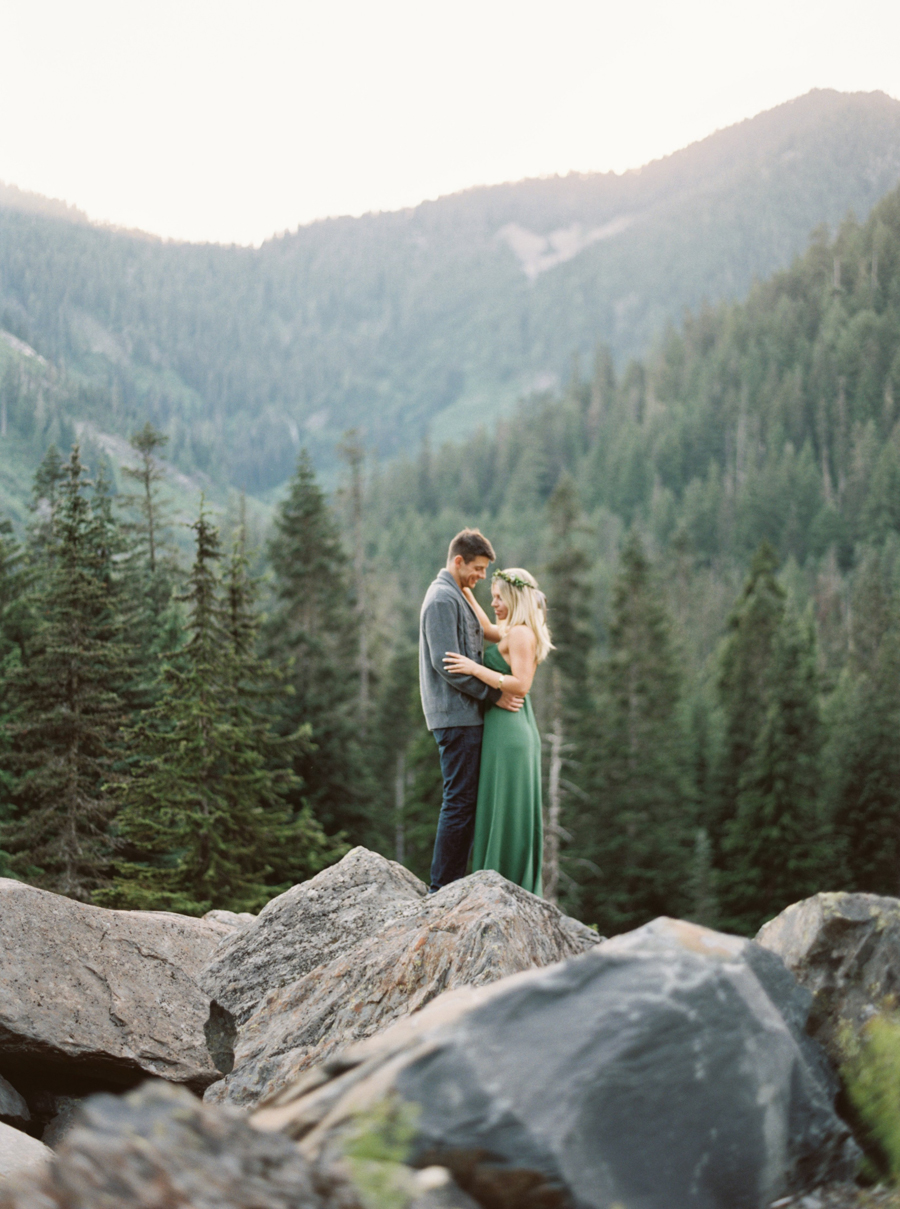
{"points": [[45, 496], [150, 568], [148, 474], [313, 630], [569, 615], [642, 828], [17, 624], [774, 846], [405, 806], [66, 698], [743, 682], [865, 743], [204, 819]]}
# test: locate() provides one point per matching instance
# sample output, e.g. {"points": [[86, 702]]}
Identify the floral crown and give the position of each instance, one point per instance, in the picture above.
{"points": [[515, 580]]}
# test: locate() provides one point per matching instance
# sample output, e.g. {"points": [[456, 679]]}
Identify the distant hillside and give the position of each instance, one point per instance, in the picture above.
{"points": [[435, 318]]}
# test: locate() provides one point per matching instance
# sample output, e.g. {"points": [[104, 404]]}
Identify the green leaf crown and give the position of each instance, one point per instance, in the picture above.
{"points": [[515, 580]]}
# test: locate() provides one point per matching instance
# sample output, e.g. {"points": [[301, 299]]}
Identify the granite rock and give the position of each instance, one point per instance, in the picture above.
{"points": [[845, 950], [665, 1068], [158, 1147], [310, 924], [13, 1106], [470, 933], [93, 998], [20, 1153]]}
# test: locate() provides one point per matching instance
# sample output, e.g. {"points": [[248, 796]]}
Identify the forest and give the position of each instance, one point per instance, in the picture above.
{"points": [[717, 529], [425, 319]]}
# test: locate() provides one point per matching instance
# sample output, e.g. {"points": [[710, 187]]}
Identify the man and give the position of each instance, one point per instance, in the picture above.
{"points": [[453, 704]]}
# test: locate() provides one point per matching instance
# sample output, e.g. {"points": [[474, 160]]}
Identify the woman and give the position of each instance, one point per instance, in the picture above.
{"points": [[508, 826]]}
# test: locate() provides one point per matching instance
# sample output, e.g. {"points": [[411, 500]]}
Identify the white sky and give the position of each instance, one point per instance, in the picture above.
{"points": [[228, 120]]}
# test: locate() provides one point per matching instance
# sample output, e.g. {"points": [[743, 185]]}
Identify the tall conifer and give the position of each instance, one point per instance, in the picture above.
{"points": [[865, 743], [774, 846], [568, 592], [314, 631], [204, 820], [642, 826], [66, 698]]}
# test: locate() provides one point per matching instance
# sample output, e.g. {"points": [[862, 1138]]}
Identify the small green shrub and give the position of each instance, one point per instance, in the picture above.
{"points": [[871, 1074], [376, 1149]]}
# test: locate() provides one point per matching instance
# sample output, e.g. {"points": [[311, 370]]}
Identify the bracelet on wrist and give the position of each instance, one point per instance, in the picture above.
{"points": [[500, 682]]}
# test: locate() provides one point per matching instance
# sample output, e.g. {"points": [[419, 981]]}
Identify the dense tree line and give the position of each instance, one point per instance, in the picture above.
{"points": [[718, 533], [152, 755]]}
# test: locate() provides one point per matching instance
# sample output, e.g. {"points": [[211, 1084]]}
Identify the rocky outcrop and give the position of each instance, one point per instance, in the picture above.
{"points": [[96, 998], [845, 950], [309, 925], [666, 1068], [20, 1153], [13, 1107], [471, 933], [158, 1147]]}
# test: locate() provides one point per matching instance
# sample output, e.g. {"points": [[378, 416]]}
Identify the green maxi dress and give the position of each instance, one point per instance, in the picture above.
{"points": [[508, 825]]}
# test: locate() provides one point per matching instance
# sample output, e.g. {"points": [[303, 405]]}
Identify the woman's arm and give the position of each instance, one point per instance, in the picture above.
{"points": [[491, 632], [522, 645]]}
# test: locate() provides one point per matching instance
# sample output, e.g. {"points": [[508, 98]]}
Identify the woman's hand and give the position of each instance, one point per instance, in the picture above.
{"points": [[461, 665], [470, 596]]}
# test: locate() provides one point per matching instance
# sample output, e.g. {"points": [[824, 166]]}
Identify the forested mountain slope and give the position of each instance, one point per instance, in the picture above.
{"points": [[436, 317], [717, 528]]}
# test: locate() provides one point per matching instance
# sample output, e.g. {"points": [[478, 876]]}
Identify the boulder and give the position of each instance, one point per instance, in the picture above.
{"points": [[310, 924], [845, 950], [470, 933], [13, 1107], [20, 1153], [61, 1121], [666, 1068], [158, 1146], [234, 920], [92, 998]]}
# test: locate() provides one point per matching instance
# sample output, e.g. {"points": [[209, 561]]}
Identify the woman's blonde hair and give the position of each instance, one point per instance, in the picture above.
{"points": [[527, 605]]}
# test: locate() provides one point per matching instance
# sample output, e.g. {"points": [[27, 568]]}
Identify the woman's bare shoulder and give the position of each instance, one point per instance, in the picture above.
{"points": [[521, 636]]}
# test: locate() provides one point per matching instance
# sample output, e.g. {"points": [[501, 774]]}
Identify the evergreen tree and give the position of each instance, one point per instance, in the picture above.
{"points": [[204, 819], [865, 743], [66, 701], [407, 798], [148, 474], [641, 832], [45, 496], [17, 624], [569, 616], [314, 631], [150, 568], [775, 845], [743, 682]]}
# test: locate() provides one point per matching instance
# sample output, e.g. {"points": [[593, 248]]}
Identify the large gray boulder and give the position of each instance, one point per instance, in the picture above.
{"points": [[845, 950], [92, 998], [666, 1069], [158, 1147], [471, 933], [310, 924], [20, 1153], [13, 1107]]}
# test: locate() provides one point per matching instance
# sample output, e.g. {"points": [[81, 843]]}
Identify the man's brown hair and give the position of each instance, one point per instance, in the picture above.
{"points": [[471, 544]]}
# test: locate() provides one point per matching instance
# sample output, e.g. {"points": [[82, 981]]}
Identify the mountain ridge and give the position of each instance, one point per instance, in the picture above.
{"points": [[423, 320]]}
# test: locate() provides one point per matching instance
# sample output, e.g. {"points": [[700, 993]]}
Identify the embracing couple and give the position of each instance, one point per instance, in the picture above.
{"points": [[477, 707]]}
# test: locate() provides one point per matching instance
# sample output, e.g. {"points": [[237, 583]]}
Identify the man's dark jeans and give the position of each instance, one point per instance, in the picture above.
{"points": [[460, 751]]}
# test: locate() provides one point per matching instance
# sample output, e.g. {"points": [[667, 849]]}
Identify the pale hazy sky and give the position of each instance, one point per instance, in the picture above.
{"points": [[227, 120]]}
